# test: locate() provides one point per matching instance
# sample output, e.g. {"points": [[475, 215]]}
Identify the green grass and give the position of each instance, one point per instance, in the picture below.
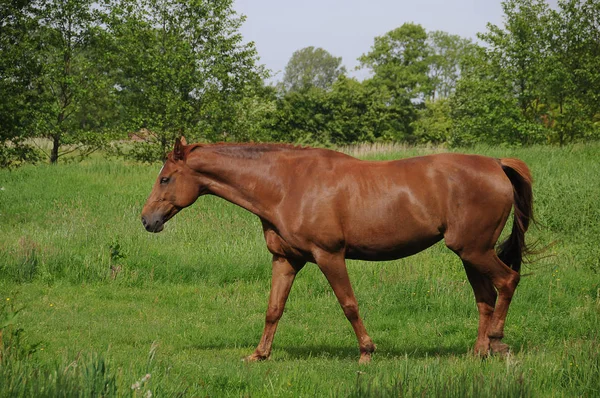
{"points": [[187, 304]]}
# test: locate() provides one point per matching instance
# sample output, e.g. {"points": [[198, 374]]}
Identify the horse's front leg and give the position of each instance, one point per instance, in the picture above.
{"points": [[334, 268], [283, 274]]}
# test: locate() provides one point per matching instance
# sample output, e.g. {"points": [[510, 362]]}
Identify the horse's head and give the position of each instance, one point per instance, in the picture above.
{"points": [[175, 188]]}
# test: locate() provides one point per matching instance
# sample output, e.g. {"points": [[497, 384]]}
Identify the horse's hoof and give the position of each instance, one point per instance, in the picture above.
{"points": [[481, 350], [255, 358], [498, 347], [365, 358]]}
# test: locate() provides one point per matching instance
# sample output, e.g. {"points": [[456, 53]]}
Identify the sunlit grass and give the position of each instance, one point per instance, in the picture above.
{"points": [[186, 305]]}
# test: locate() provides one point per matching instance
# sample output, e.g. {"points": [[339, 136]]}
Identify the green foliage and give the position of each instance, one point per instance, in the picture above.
{"points": [[182, 69], [350, 112], [533, 82], [520, 49], [14, 151], [572, 102], [399, 60], [72, 92], [302, 117], [530, 83], [80, 75], [17, 73], [447, 53], [434, 122], [381, 108], [252, 116], [353, 116], [311, 67], [410, 65], [484, 109]]}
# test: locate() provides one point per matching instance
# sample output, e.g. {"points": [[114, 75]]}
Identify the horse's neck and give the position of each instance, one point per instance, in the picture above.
{"points": [[246, 182]]}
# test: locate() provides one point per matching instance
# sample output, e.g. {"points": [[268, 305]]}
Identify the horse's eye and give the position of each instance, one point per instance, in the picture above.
{"points": [[164, 180]]}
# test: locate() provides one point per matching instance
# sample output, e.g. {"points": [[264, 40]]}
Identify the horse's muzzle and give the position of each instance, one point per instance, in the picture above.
{"points": [[153, 224]]}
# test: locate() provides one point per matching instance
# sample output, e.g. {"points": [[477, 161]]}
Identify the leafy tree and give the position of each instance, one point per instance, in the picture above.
{"points": [[521, 50], [182, 69], [350, 104], [572, 99], [253, 116], [535, 81], [350, 112], [434, 122], [69, 84], [485, 109], [302, 117], [400, 60], [311, 67], [17, 73], [447, 53]]}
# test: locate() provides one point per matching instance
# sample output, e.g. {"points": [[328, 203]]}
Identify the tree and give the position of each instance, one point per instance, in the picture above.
{"points": [[501, 87], [521, 49], [17, 73], [572, 95], [311, 67], [536, 79], [253, 116], [350, 105], [69, 84], [484, 108], [434, 123], [350, 112], [302, 117], [181, 69], [399, 61], [447, 53]]}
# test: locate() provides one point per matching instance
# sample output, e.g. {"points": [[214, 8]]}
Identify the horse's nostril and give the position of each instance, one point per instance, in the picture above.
{"points": [[144, 222]]}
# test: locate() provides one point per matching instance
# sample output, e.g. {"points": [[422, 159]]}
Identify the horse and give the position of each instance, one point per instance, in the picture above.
{"points": [[322, 206]]}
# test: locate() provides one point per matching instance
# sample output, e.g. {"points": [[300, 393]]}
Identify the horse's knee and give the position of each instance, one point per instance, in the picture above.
{"points": [[506, 286], [274, 313], [485, 309], [350, 310]]}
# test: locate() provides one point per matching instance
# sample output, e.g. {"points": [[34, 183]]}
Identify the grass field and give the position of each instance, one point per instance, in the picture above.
{"points": [[90, 303]]}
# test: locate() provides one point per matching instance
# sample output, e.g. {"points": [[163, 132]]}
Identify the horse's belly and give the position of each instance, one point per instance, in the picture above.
{"points": [[390, 239], [390, 249]]}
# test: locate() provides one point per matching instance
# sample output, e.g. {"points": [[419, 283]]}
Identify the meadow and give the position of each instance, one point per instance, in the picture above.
{"points": [[91, 304]]}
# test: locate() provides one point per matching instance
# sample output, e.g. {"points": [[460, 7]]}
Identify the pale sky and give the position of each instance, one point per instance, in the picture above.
{"points": [[347, 28]]}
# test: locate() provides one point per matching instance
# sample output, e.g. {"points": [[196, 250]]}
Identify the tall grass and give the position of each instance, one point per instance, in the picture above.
{"points": [[97, 293]]}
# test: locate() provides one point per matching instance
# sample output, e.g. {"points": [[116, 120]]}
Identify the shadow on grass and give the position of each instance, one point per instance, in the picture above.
{"points": [[349, 352]]}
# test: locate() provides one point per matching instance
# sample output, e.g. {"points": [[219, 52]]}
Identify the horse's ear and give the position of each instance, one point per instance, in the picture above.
{"points": [[178, 153]]}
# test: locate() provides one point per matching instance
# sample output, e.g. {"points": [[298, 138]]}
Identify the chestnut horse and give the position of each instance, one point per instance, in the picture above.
{"points": [[322, 206]]}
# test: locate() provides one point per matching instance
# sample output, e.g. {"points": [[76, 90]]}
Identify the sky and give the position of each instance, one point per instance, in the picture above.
{"points": [[347, 28]]}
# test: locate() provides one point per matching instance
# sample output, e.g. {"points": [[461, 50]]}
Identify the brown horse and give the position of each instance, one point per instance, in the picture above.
{"points": [[322, 206]]}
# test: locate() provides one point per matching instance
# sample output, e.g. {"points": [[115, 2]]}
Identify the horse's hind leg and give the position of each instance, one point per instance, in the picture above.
{"points": [[485, 296], [505, 280]]}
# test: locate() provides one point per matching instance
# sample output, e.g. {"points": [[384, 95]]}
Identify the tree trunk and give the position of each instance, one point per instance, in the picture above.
{"points": [[55, 146]]}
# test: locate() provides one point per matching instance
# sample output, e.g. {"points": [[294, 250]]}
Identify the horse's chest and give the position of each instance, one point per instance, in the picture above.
{"points": [[278, 246]]}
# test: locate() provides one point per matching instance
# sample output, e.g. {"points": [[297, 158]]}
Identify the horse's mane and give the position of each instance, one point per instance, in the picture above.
{"points": [[246, 150]]}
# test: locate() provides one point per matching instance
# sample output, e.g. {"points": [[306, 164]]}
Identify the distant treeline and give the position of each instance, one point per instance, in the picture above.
{"points": [[84, 74]]}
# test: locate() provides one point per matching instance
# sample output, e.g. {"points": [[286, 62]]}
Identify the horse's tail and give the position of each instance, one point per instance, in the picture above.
{"points": [[512, 250]]}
